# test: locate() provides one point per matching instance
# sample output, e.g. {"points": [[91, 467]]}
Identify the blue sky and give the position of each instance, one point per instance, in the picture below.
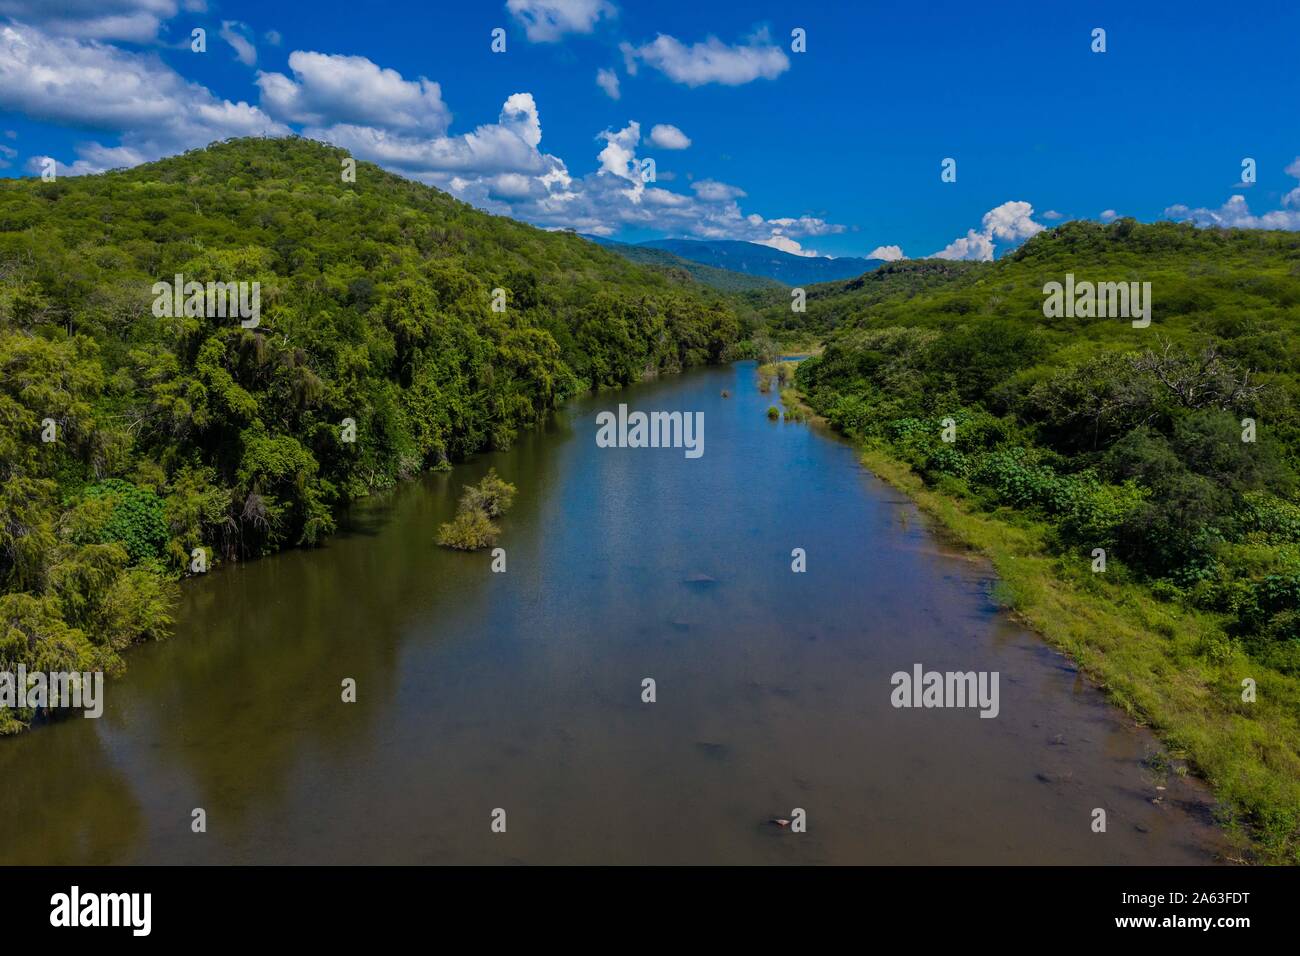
{"points": [[836, 150]]}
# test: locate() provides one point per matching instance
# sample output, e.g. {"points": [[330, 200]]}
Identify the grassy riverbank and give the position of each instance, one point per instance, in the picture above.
{"points": [[1151, 659], [1135, 479]]}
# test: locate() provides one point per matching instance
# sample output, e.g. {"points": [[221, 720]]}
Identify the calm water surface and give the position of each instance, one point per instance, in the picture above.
{"points": [[523, 690]]}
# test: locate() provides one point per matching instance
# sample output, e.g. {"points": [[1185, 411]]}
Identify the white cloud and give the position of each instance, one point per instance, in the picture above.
{"points": [[1108, 215], [519, 115], [888, 253], [666, 136], [973, 245], [136, 21], [545, 21], [1009, 222], [711, 61], [1236, 214], [7, 153], [619, 154], [236, 34], [614, 197], [607, 80], [272, 37], [491, 163], [338, 89], [91, 85], [710, 190], [805, 226], [786, 244], [1053, 215]]}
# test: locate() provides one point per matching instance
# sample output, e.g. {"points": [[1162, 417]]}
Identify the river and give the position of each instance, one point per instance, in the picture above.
{"points": [[522, 691]]}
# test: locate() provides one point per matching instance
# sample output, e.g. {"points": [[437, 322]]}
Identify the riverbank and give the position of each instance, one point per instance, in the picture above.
{"points": [[1150, 659]]}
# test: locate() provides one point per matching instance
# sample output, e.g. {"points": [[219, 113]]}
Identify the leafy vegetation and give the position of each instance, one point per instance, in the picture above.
{"points": [[829, 305], [472, 528], [1173, 449], [192, 435]]}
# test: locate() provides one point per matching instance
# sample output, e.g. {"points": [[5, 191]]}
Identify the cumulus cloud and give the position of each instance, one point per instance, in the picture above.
{"points": [[545, 21], [711, 61], [974, 246], [1053, 215], [136, 21], [333, 88], [1236, 214], [805, 226], [1108, 215], [272, 37], [607, 80], [91, 85], [666, 136], [614, 197], [507, 146], [888, 253], [619, 155], [786, 244], [237, 35], [710, 190], [1009, 222]]}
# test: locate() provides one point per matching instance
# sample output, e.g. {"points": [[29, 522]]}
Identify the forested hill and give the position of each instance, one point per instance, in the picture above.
{"points": [[130, 439], [829, 305], [1138, 487], [1131, 439]]}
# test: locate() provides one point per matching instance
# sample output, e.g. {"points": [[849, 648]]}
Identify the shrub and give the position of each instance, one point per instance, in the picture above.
{"points": [[948, 461], [1278, 521], [1098, 511], [470, 530], [1015, 478], [492, 496], [137, 519]]}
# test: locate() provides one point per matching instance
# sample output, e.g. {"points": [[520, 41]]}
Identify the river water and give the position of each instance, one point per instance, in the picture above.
{"points": [[522, 691]]}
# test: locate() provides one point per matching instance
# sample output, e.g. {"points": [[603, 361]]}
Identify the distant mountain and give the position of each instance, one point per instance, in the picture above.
{"points": [[757, 260], [722, 279]]}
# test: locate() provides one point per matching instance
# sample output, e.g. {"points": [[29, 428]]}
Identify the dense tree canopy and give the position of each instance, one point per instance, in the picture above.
{"points": [[176, 436], [1134, 440]]}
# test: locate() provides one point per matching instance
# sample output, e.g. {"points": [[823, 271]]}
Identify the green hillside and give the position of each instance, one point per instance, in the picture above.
{"points": [[828, 305], [1174, 448], [174, 434]]}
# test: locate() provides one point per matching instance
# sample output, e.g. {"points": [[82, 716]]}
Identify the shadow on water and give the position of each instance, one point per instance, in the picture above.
{"points": [[523, 690]]}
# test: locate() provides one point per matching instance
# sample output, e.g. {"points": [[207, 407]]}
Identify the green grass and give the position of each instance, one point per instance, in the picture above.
{"points": [[1166, 666]]}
